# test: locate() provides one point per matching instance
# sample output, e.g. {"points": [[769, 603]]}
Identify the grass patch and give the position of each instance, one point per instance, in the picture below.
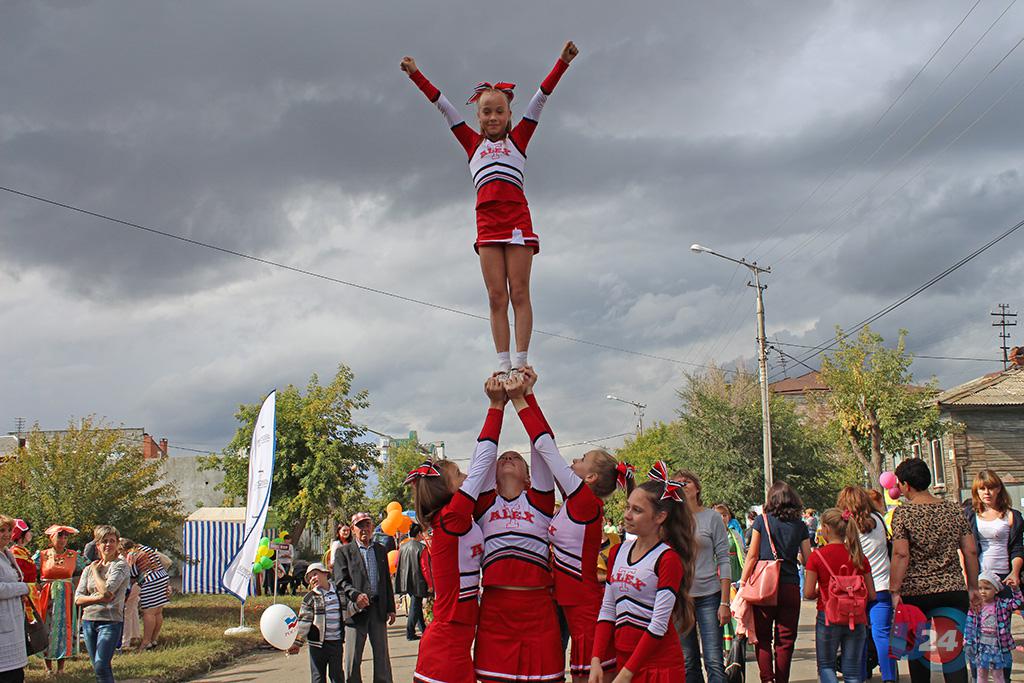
{"points": [[192, 642]]}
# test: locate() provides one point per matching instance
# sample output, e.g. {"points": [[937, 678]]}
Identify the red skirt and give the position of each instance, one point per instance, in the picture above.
{"points": [[518, 639], [655, 673], [582, 620], [501, 223], [445, 654]]}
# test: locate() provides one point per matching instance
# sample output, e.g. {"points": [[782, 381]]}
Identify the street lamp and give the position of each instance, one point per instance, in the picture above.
{"points": [[762, 355], [638, 410]]}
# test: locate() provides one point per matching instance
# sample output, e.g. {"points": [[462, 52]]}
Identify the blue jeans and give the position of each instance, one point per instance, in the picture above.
{"points": [[706, 609], [827, 642], [101, 639], [880, 618]]}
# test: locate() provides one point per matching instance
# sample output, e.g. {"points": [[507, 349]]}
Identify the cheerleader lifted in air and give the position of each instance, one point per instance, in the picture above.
{"points": [[506, 241]]}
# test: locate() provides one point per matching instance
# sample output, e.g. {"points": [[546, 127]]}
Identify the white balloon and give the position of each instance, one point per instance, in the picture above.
{"points": [[278, 626]]}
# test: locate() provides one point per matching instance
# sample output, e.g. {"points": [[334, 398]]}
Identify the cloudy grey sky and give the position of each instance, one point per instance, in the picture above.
{"points": [[287, 131]]}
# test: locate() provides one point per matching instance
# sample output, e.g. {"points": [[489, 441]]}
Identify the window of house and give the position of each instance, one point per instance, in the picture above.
{"points": [[938, 466]]}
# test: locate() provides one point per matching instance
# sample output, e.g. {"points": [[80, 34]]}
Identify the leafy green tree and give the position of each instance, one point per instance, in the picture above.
{"points": [[720, 441], [320, 467], [392, 472], [874, 406], [87, 475]]}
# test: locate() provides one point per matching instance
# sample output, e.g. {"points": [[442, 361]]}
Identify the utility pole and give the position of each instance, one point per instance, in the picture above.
{"points": [[762, 357], [19, 425], [1003, 334], [638, 410]]}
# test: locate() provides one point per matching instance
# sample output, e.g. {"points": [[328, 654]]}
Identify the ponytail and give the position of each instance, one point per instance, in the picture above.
{"points": [[844, 525], [677, 531]]}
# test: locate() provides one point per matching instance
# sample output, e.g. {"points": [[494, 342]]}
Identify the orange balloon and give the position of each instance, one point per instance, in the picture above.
{"points": [[404, 524], [393, 506], [393, 561], [391, 524]]}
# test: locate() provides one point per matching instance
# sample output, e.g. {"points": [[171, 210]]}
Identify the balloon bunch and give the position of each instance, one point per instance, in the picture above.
{"points": [[890, 483], [264, 556], [396, 521]]}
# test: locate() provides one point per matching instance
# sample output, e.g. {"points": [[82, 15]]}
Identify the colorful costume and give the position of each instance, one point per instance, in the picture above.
{"points": [[457, 547], [56, 599], [498, 167], [988, 641], [576, 531], [636, 614], [518, 638]]}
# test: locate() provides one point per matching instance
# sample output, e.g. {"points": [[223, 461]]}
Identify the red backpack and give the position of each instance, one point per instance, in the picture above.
{"points": [[846, 601]]}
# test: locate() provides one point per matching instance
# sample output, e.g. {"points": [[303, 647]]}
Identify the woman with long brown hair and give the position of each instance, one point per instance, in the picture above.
{"points": [[874, 540], [780, 526], [647, 593], [998, 531]]}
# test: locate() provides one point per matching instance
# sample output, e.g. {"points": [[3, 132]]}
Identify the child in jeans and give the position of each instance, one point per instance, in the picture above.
{"points": [[840, 556], [987, 638]]}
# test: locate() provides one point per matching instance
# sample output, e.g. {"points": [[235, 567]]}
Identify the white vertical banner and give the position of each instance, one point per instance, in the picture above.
{"points": [[238, 575]]}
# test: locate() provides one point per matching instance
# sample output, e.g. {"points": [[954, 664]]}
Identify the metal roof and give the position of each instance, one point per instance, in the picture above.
{"points": [[1004, 388]]}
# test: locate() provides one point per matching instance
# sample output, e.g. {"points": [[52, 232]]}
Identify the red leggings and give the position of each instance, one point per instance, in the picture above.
{"points": [[785, 616]]}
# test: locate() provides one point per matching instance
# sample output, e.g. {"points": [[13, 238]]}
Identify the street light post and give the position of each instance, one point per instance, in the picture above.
{"points": [[638, 409], [762, 357]]}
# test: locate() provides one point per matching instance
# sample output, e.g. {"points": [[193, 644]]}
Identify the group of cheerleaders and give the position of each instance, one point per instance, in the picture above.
{"points": [[498, 523]]}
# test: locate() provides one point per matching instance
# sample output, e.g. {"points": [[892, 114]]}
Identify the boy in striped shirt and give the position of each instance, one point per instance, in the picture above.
{"points": [[320, 624]]}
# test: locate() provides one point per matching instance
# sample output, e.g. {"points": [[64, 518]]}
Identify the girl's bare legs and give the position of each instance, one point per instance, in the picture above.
{"points": [[518, 262], [492, 265]]}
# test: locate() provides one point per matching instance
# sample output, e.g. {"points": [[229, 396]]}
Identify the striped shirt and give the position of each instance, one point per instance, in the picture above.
{"points": [[332, 606]]}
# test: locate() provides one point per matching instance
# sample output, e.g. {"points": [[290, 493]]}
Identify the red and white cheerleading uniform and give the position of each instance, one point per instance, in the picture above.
{"points": [[498, 168], [518, 639], [455, 555], [636, 614], [576, 534]]}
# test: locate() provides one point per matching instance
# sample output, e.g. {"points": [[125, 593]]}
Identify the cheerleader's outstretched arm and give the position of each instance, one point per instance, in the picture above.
{"points": [[466, 136]]}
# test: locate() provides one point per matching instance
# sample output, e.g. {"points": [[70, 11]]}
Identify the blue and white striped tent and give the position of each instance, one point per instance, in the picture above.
{"points": [[212, 536]]}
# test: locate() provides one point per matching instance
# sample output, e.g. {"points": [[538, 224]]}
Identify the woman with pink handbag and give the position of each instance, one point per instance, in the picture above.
{"points": [[771, 582]]}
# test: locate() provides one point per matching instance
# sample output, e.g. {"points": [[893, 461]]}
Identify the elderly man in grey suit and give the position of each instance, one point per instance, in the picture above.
{"points": [[361, 572]]}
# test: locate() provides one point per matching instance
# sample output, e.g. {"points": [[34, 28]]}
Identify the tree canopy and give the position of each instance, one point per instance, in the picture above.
{"points": [[718, 437], [87, 475], [320, 467], [391, 474], [874, 405]]}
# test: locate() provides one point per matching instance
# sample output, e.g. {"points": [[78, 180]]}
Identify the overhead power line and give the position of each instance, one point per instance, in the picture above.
{"points": [[915, 355], [852, 329], [335, 280]]}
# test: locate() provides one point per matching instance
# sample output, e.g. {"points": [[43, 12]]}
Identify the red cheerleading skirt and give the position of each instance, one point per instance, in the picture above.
{"points": [[518, 639], [666, 664], [445, 654], [501, 223], [582, 620]]}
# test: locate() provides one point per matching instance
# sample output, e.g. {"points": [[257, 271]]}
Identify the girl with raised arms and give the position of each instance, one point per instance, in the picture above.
{"points": [[577, 530], [646, 596], [505, 238], [445, 499]]}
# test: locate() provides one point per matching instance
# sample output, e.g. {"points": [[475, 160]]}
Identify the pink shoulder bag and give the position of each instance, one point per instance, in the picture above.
{"points": [[762, 587]]}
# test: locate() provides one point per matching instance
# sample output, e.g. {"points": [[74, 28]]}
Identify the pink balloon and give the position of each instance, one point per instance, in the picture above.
{"points": [[888, 480], [894, 492]]}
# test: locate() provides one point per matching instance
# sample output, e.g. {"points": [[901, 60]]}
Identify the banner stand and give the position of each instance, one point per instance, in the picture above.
{"points": [[241, 628]]}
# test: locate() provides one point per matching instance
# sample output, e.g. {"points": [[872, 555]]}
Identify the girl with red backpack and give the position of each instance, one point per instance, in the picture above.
{"points": [[839, 576]]}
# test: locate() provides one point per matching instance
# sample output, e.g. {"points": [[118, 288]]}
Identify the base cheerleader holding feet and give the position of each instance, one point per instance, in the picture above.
{"points": [[577, 530], [445, 499], [505, 238], [646, 596]]}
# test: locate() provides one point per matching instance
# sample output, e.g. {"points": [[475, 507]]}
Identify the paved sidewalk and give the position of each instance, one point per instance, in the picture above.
{"points": [[275, 667]]}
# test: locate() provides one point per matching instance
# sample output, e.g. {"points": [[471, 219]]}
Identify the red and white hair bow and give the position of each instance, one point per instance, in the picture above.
{"points": [[484, 86], [427, 469], [673, 489], [624, 471]]}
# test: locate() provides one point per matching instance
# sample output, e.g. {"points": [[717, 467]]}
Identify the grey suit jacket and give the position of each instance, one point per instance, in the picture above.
{"points": [[351, 578]]}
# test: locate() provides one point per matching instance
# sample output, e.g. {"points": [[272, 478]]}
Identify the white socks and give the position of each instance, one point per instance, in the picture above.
{"points": [[504, 361], [520, 359]]}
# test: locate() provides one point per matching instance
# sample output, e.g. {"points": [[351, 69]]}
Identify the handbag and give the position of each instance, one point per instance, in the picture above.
{"points": [[762, 587], [736, 661], [37, 638]]}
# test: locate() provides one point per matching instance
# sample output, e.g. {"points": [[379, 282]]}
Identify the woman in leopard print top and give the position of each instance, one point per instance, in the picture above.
{"points": [[928, 534]]}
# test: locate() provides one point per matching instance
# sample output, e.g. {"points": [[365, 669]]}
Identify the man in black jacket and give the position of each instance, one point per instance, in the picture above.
{"points": [[361, 573], [409, 581]]}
